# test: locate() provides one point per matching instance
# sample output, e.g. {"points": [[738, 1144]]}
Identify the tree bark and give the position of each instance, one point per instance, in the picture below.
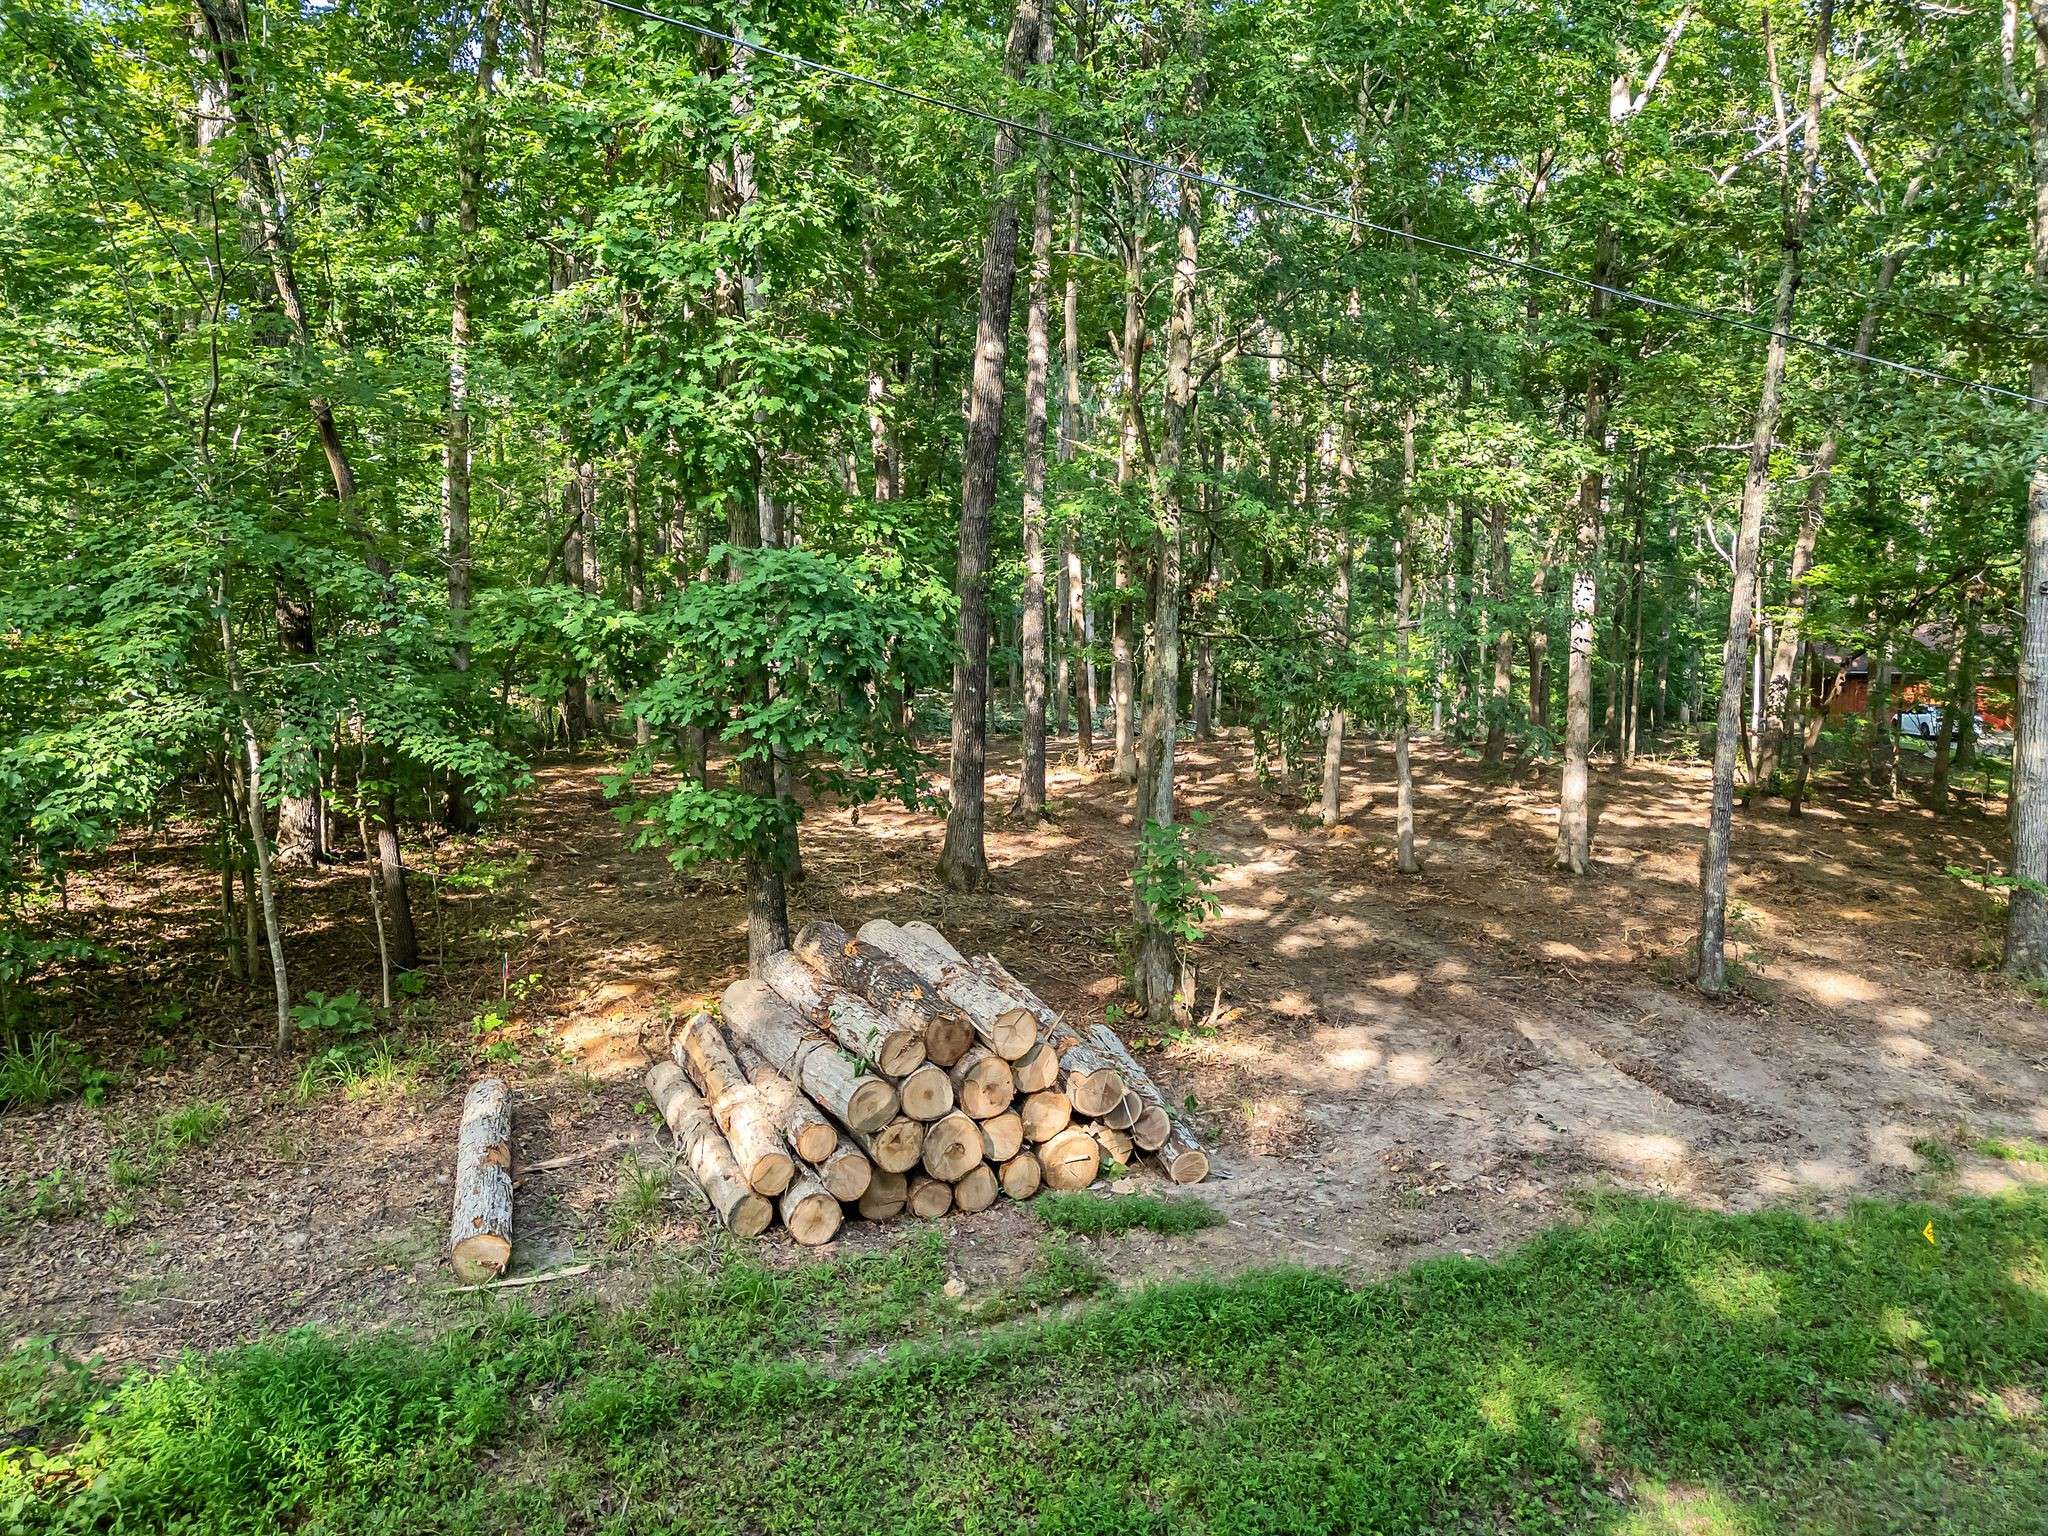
{"points": [[1404, 585], [1031, 646], [963, 861], [1756, 486], [2026, 929], [1160, 980], [1498, 570], [480, 1235]]}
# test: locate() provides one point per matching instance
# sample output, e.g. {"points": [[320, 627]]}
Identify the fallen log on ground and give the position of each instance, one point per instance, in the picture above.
{"points": [[705, 1153], [757, 1146], [836, 1080], [809, 1211], [1157, 1129], [889, 985], [480, 1235], [975, 1190], [1020, 1176], [1003, 1025], [929, 1198], [1071, 1160], [844, 1015]]}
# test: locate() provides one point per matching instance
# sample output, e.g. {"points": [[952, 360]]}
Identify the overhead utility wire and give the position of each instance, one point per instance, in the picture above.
{"points": [[1321, 211]]}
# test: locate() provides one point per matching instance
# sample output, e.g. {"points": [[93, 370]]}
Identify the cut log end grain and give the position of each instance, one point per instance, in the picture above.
{"points": [[1091, 1078], [929, 1198], [1020, 1176], [1045, 1114], [975, 1190], [1037, 1069], [1151, 1128], [705, 1152], [810, 1212], [847, 1172], [885, 1196], [480, 1234], [1001, 1136], [1070, 1160], [1123, 1114], [951, 1146], [1117, 1147], [895, 1148], [1182, 1159], [1093, 1090], [983, 1084], [926, 1094], [810, 1135]]}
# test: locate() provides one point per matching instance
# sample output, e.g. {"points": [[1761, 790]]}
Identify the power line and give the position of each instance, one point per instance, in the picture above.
{"points": [[1734, 321]]}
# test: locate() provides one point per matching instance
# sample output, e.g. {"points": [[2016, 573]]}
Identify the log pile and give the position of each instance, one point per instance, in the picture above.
{"points": [[869, 1074]]}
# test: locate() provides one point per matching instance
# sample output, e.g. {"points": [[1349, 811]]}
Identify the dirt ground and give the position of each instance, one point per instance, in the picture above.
{"points": [[1385, 1067]]}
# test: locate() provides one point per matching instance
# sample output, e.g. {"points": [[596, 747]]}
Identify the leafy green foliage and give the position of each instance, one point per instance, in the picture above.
{"points": [[344, 1013], [46, 1067], [1107, 1215], [795, 659], [1174, 876], [1793, 1374]]}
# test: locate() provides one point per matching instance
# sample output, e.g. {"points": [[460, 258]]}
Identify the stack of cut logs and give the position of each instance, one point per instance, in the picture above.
{"points": [[885, 1072]]}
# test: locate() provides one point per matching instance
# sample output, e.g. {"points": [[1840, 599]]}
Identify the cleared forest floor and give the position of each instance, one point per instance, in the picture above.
{"points": [[1397, 1067]]}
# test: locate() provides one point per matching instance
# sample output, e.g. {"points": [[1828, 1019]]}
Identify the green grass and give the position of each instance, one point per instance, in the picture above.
{"points": [[635, 1210], [45, 1068], [2021, 1151], [1652, 1370], [1103, 1215]]}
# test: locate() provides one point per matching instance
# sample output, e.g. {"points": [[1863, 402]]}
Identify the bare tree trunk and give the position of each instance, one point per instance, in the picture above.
{"points": [[1404, 586], [1031, 629], [458, 810], [1574, 817], [1163, 991], [1712, 976], [963, 862], [2026, 928], [1333, 735], [259, 841], [1498, 571], [1951, 689]]}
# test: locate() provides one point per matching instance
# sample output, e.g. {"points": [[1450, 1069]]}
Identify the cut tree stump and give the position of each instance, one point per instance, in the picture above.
{"points": [[757, 1146], [1001, 1136], [838, 1081], [1045, 1114], [975, 1190], [803, 1125], [930, 1198], [847, 1172], [887, 983], [480, 1235], [1071, 1160], [1157, 1129], [810, 1212], [951, 1147], [927, 1093], [844, 1015], [885, 1196], [1090, 1077], [896, 1147], [705, 1153], [1020, 1176], [1001, 1023], [983, 1084]]}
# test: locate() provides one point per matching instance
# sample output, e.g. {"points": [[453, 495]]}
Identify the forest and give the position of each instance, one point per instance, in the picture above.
{"points": [[1471, 575]]}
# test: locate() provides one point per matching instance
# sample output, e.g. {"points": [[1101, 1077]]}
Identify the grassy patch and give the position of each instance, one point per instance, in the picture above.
{"points": [[1654, 1369], [1104, 1215], [635, 1211], [2021, 1151], [44, 1068]]}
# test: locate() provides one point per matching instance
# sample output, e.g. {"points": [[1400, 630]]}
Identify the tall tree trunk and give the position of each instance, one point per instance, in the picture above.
{"points": [[300, 815], [1404, 585], [1712, 976], [1073, 586], [1498, 571], [1037, 361], [1333, 734], [259, 841], [1163, 991], [1632, 656], [1122, 665], [2026, 928], [963, 861]]}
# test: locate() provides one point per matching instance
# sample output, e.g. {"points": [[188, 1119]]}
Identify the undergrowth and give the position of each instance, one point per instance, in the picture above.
{"points": [[1652, 1369], [1103, 1215]]}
